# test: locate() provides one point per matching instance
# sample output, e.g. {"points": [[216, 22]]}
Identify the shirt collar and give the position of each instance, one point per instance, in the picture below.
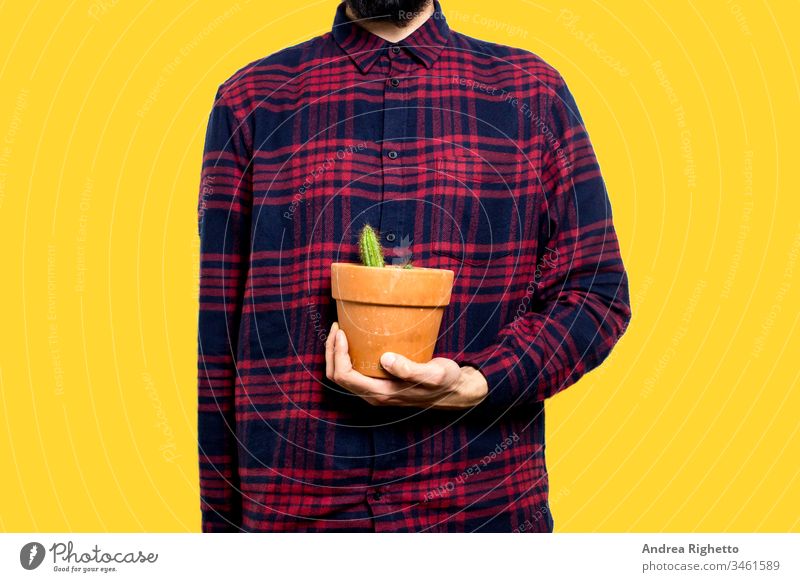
{"points": [[425, 43]]}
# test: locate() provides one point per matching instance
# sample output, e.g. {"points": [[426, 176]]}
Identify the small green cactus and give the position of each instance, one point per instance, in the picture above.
{"points": [[370, 248]]}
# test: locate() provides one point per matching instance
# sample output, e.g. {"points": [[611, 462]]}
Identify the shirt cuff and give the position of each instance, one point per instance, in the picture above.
{"points": [[502, 370]]}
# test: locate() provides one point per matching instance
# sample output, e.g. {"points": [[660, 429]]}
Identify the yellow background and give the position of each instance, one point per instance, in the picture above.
{"points": [[692, 423]]}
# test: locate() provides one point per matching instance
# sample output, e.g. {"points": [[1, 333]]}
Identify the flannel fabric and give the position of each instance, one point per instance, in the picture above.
{"points": [[465, 155]]}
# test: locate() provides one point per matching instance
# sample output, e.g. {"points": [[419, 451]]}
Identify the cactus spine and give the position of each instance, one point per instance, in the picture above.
{"points": [[370, 248]]}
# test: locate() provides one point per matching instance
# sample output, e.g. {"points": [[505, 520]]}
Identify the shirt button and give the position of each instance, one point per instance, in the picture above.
{"points": [[396, 50], [390, 237], [377, 496], [392, 155], [395, 82]]}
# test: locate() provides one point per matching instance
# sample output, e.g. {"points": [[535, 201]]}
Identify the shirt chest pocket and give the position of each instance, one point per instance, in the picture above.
{"points": [[476, 213]]}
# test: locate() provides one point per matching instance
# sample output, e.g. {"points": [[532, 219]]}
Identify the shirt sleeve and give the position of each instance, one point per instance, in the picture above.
{"points": [[580, 302], [224, 215]]}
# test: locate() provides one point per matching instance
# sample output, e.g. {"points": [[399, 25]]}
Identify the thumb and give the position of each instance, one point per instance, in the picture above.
{"points": [[402, 367]]}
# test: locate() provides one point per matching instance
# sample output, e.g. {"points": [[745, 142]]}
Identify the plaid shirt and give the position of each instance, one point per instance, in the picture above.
{"points": [[466, 155]]}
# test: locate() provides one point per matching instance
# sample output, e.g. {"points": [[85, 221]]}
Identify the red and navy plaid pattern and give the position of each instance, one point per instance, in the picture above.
{"points": [[467, 155]]}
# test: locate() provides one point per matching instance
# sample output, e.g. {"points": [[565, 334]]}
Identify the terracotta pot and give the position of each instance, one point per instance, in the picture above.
{"points": [[389, 309]]}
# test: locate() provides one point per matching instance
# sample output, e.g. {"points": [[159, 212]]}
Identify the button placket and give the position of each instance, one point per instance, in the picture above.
{"points": [[394, 131], [395, 119]]}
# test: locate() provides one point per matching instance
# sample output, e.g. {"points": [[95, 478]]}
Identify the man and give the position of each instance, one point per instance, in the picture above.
{"points": [[468, 154]]}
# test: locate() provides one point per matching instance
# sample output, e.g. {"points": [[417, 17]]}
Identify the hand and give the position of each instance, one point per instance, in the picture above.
{"points": [[441, 383]]}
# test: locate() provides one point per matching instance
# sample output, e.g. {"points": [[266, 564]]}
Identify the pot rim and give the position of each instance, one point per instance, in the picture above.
{"points": [[391, 285]]}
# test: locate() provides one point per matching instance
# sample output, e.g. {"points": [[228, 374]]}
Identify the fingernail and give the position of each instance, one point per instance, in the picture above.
{"points": [[339, 335], [388, 359]]}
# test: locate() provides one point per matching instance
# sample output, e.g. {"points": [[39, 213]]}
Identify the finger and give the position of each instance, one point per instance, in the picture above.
{"points": [[417, 395], [329, 350], [431, 374], [341, 356], [373, 390], [376, 391]]}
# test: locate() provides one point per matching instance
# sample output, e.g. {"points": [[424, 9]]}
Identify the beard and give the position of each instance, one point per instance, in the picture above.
{"points": [[398, 12]]}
